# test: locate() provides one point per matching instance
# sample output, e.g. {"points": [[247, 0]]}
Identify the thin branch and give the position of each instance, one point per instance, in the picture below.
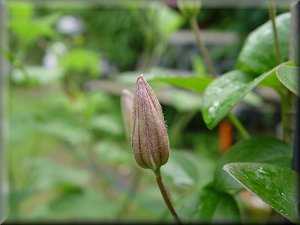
{"points": [[166, 197]]}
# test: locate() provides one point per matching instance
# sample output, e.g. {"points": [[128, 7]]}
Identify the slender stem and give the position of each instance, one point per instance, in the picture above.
{"points": [[288, 99], [166, 197], [238, 125], [202, 47], [275, 33]]}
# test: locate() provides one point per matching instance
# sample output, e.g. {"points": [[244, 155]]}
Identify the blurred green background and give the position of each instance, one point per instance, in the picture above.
{"points": [[68, 156]]}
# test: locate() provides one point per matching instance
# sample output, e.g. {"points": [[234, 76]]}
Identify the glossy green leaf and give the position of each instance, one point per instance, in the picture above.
{"points": [[216, 206], [256, 149], [289, 76], [274, 184], [258, 54], [224, 93]]}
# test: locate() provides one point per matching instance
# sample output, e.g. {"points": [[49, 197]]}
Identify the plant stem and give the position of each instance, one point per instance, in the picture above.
{"points": [[166, 197], [275, 33], [238, 125], [202, 47]]}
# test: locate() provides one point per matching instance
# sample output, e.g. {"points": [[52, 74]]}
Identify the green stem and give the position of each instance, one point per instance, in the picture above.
{"points": [[238, 125], [275, 33], [202, 47], [166, 197]]}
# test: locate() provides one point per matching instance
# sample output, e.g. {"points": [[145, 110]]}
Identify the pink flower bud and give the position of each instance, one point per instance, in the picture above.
{"points": [[127, 108], [149, 139]]}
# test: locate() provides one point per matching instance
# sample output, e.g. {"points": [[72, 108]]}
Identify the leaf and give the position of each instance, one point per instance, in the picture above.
{"points": [[108, 124], [258, 54], [49, 175], [194, 83], [274, 184], [185, 102], [39, 74], [88, 204], [224, 93], [256, 149], [216, 206], [185, 169], [289, 77]]}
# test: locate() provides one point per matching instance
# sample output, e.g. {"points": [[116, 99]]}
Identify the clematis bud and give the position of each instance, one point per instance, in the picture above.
{"points": [[127, 107], [149, 139]]}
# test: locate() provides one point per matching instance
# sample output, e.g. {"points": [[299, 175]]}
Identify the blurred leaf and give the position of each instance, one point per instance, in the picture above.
{"points": [[49, 174], [198, 66], [185, 169], [107, 123], [39, 27], [274, 184], [185, 102], [289, 76], [197, 84], [64, 131], [20, 10], [41, 75], [111, 152], [216, 206], [166, 20], [256, 149], [88, 204], [258, 53], [83, 61]]}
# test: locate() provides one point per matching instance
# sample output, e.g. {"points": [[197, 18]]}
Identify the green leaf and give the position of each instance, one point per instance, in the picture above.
{"points": [[224, 93], [185, 169], [256, 149], [195, 83], [289, 77], [258, 54], [274, 184], [86, 61], [216, 206]]}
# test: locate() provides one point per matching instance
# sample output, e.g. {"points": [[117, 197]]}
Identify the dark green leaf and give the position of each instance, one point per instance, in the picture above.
{"points": [[289, 76], [258, 53], [256, 149], [274, 184], [215, 206]]}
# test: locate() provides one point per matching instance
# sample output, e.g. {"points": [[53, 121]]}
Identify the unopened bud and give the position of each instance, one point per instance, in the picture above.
{"points": [[149, 139], [127, 108], [189, 8]]}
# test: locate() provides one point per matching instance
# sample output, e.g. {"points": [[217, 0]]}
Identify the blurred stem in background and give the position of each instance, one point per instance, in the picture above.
{"points": [[272, 13], [190, 11], [288, 99]]}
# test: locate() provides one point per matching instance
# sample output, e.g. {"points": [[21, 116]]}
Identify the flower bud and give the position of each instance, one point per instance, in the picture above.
{"points": [[149, 139], [189, 8], [127, 107]]}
